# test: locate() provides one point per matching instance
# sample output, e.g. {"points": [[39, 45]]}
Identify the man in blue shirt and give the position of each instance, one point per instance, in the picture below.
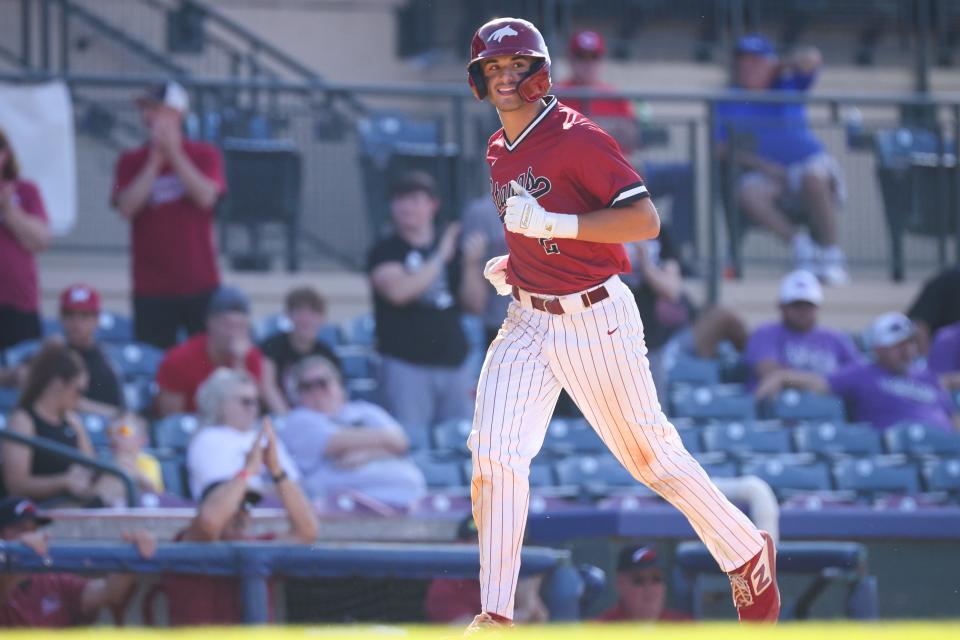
{"points": [[782, 166]]}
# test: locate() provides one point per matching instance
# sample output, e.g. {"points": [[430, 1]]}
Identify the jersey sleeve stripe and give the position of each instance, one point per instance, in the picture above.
{"points": [[629, 194]]}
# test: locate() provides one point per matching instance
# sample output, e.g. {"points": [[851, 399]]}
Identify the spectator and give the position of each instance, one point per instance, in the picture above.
{"points": [[168, 189], [884, 392], [80, 316], [341, 445], [937, 305], [128, 437], [944, 358], [224, 515], [641, 588], [307, 311], [56, 381], [481, 217], [618, 118], [228, 411], [797, 341], [56, 600], [226, 343], [23, 232], [421, 285], [783, 167], [455, 601]]}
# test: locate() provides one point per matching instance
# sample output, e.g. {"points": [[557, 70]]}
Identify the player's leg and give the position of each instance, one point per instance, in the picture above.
{"points": [[516, 395]]}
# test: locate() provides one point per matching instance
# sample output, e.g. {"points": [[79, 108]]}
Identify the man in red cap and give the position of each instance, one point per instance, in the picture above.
{"points": [[80, 315], [641, 588]]}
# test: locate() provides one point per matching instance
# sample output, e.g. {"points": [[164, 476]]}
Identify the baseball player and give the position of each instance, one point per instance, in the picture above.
{"points": [[568, 201]]}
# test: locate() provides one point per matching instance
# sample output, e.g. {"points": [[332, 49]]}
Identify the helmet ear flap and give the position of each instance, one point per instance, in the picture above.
{"points": [[537, 82], [478, 83]]}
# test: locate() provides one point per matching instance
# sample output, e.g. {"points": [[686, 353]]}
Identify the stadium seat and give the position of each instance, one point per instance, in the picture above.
{"points": [[881, 474], [113, 328], [96, 427], [138, 395], [174, 431], [717, 402], [916, 439], [280, 323], [441, 474], [695, 371], [565, 437], [366, 389], [718, 465], [828, 439], [174, 471], [790, 474], [357, 361], [20, 353], [135, 360], [362, 330], [594, 475], [541, 474], [942, 474], [451, 436], [419, 437], [692, 438], [8, 399], [793, 406], [740, 439], [956, 399]]}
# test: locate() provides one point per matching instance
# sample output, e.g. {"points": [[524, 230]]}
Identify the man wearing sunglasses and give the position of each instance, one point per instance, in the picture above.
{"points": [[641, 588]]}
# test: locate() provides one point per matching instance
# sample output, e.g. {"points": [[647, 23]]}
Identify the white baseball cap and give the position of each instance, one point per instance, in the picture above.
{"points": [[800, 286], [171, 94], [890, 329]]}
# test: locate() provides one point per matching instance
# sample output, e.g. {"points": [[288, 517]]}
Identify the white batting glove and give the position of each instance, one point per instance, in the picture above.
{"points": [[525, 216], [496, 273]]}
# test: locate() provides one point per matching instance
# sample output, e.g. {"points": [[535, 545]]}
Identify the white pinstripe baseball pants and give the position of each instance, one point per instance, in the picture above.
{"points": [[598, 355]]}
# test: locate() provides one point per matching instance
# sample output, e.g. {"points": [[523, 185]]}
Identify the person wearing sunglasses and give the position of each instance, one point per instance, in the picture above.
{"points": [[230, 418], [347, 446], [641, 588]]}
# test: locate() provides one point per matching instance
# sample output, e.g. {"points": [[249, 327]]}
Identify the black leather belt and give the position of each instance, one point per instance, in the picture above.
{"points": [[552, 305]]}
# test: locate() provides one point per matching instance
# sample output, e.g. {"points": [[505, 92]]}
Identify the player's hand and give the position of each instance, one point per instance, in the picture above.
{"points": [[270, 452], [496, 273], [524, 215], [447, 246]]}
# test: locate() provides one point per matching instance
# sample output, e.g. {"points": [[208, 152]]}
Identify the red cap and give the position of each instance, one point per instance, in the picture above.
{"points": [[587, 43], [80, 297]]}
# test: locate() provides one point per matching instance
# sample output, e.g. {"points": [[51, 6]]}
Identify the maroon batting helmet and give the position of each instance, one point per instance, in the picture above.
{"points": [[510, 37]]}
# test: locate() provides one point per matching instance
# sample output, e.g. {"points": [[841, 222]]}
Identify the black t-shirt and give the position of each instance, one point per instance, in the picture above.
{"points": [[427, 330], [104, 384], [659, 323], [278, 348], [939, 301]]}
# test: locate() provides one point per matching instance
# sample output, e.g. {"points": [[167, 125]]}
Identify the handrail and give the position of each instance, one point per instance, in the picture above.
{"points": [[51, 446]]}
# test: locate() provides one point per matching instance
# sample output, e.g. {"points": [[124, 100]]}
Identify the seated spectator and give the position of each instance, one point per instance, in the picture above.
{"points": [[797, 341], [226, 343], [884, 392], [307, 311], [224, 515], [341, 445], [421, 286], [936, 306], [229, 415], [783, 167], [456, 600], [24, 232], [56, 600], [641, 588], [128, 436], [80, 317], [56, 381], [944, 358]]}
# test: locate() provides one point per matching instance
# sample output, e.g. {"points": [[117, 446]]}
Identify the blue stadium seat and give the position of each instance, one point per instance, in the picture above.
{"points": [[792, 405], [134, 360], [717, 402], [692, 438], [138, 395], [174, 471], [913, 438], [870, 476], [450, 436], [740, 439], [8, 399], [718, 465], [942, 474], [114, 328], [829, 439], [362, 330], [281, 323], [20, 353], [474, 330], [441, 474], [790, 474], [174, 431], [357, 361], [541, 474], [363, 389], [52, 327], [97, 427], [956, 399], [565, 437], [595, 475], [695, 371]]}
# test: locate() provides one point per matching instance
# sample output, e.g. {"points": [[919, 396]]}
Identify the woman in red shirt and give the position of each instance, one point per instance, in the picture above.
{"points": [[23, 232]]}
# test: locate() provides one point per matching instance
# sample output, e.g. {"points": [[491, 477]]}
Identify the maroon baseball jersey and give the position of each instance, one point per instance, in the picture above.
{"points": [[570, 165]]}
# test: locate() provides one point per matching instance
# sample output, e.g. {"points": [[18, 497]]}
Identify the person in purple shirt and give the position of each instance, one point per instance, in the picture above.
{"points": [[797, 341], [783, 168], [944, 357], [889, 390]]}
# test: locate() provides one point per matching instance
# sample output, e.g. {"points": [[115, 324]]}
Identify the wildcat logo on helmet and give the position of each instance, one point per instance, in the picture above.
{"points": [[502, 33]]}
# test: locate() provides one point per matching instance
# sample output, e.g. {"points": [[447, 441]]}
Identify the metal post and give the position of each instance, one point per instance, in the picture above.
{"points": [[45, 35], [26, 32], [253, 587], [713, 186], [943, 199], [695, 199], [955, 182], [921, 27], [64, 37]]}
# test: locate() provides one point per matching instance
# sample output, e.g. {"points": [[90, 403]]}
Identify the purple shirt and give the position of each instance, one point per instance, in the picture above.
{"points": [[884, 398], [945, 351], [819, 350]]}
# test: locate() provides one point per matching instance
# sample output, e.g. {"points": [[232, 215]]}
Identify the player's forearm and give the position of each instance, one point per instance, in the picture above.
{"points": [[200, 189], [401, 287], [131, 200], [635, 222], [303, 520], [804, 380]]}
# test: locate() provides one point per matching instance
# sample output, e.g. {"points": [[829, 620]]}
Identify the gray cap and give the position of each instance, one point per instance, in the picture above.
{"points": [[228, 299]]}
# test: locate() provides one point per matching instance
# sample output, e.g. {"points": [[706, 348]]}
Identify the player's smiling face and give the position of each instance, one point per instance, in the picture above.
{"points": [[502, 75]]}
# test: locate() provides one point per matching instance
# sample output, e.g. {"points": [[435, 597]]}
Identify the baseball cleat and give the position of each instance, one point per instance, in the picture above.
{"points": [[486, 624], [754, 585]]}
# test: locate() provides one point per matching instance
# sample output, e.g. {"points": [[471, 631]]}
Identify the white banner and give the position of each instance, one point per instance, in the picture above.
{"points": [[38, 121]]}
